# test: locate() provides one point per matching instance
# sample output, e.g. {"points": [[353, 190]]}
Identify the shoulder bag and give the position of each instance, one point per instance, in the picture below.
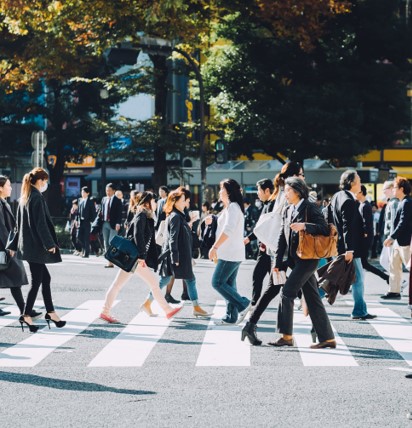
{"points": [[318, 246], [161, 233], [122, 252]]}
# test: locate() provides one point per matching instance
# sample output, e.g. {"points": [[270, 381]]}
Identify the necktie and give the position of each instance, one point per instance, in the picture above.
{"points": [[108, 209]]}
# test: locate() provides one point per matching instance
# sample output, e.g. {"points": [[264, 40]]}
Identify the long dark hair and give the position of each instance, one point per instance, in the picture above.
{"points": [[234, 191], [290, 169], [3, 180]]}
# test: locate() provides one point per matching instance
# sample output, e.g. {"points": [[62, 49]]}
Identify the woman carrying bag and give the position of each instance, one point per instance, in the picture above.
{"points": [[141, 230], [176, 258], [36, 242], [15, 275], [300, 215]]}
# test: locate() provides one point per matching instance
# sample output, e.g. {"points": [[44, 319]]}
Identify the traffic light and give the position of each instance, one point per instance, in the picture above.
{"points": [[221, 155]]}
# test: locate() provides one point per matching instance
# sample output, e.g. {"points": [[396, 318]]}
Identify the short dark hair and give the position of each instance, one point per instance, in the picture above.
{"points": [[403, 183], [265, 183], [347, 178], [85, 189], [206, 204], [299, 186], [111, 186], [165, 189], [363, 190], [74, 201]]}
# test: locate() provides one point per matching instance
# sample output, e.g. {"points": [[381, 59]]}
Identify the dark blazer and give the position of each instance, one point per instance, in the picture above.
{"points": [[116, 208], [141, 229], [15, 274], [36, 234], [402, 230], [348, 221], [160, 214], [179, 243], [367, 223], [308, 213], [87, 210]]}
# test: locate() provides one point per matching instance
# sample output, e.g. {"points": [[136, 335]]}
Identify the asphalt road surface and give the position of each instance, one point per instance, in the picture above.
{"points": [[151, 372]]}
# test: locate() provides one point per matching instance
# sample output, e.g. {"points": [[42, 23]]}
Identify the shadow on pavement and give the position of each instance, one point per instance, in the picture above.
{"points": [[68, 385]]}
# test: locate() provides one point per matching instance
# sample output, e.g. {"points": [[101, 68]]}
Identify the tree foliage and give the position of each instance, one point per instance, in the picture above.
{"points": [[338, 99]]}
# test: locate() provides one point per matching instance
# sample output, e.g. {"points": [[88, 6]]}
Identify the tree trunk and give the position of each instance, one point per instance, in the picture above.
{"points": [[159, 155]]}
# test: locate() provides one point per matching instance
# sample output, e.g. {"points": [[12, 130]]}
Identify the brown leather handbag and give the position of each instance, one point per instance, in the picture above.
{"points": [[318, 246]]}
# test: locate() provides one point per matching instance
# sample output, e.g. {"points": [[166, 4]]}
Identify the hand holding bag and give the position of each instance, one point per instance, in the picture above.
{"points": [[318, 246], [123, 253], [4, 260], [278, 277]]}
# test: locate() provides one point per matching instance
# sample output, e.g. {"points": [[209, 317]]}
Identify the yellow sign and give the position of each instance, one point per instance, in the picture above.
{"points": [[88, 162]]}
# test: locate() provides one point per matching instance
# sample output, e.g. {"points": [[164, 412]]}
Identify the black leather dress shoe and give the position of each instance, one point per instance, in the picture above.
{"points": [[170, 299], [4, 313], [391, 296], [34, 314], [2, 298], [366, 317], [185, 296]]}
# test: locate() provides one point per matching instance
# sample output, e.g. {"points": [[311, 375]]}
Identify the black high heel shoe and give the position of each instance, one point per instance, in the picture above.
{"points": [[249, 331], [58, 324], [33, 328]]}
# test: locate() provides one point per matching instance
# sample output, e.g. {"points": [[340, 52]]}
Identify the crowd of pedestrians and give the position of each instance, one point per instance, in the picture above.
{"points": [[221, 232]]}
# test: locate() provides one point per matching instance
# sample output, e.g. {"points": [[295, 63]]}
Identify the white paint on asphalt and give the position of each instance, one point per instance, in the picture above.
{"points": [[36, 347], [340, 356], [396, 330], [222, 345], [9, 319], [134, 344]]}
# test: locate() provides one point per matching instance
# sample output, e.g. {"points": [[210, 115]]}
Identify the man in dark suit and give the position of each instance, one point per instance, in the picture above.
{"points": [[112, 217], [400, 237], [160, 214], [263, 262], [365, 209], [86, 215], [348, 221]]}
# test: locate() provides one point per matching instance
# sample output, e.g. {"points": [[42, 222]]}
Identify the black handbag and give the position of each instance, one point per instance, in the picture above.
{"points": [[122, 252]]}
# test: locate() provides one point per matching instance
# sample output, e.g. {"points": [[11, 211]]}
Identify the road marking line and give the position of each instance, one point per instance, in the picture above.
{"points": [[134, 344], [222, 345], [341, 356], [393, 328], [38, 346], [9, 319]]}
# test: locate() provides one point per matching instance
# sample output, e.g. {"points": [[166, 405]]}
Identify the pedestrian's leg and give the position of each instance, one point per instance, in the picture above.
{"points": [[262, 268], [151, 280], [359, 307], [18, 298], [46, 290], [36, 271], [270, 293], [121, 279], [395, 270]]}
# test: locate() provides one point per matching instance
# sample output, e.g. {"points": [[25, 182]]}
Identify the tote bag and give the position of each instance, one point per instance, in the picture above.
{"points": [[161, 233]]}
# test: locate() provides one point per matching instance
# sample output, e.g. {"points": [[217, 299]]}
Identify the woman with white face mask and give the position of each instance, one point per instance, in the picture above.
{"points": [[36, 242]]}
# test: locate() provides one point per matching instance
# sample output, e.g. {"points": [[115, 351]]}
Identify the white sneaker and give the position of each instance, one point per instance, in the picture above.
{"points": [[242, 315], [221, 322]]}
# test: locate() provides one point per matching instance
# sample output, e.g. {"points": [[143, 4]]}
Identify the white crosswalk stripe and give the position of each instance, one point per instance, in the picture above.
{"points": [[134, 344], [340, 356], [31, 351], [220, 346]]}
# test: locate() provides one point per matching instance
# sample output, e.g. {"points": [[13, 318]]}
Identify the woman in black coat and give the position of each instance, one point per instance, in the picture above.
{"points": [[141, 231], [15, 275], [300, 215], [176, 258], [36, 242]]}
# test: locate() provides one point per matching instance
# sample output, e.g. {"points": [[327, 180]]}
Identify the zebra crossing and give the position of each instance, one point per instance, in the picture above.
{"points": [[221, 345]]}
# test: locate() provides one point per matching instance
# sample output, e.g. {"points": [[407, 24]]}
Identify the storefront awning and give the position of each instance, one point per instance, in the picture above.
{"points": [[133, 173]]}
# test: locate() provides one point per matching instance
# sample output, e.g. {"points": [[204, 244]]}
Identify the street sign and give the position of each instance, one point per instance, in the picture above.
{"points": [[38, 142]]}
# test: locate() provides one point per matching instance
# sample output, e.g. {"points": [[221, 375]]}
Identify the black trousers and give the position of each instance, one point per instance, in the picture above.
{"points": [[18, 297], [302, 277], [84, 236], [262, 268], [39, 276], [367, 266], [270, 293]]}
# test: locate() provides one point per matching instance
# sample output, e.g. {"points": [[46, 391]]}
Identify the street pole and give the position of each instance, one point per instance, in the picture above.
{"points": [[202, 149]]}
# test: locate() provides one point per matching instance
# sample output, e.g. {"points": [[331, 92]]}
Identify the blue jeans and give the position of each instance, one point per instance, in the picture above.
{"points": [[224, 282], [359, 309], [191, 287]]}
